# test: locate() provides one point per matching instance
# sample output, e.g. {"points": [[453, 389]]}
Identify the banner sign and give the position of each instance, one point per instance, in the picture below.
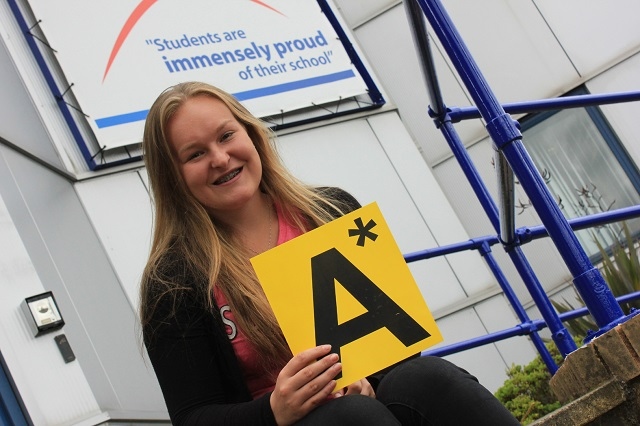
{"points": [[347, 284], [275, 56]]}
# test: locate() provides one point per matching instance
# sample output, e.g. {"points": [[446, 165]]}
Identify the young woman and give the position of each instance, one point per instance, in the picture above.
{"points": [[221, 196]]}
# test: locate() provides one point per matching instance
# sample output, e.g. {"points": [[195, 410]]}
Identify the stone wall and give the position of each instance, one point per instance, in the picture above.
{"points": [[600, 382]]}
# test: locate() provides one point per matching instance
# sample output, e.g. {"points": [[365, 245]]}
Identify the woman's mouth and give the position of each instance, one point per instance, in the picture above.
{"points": [[228, 177]]}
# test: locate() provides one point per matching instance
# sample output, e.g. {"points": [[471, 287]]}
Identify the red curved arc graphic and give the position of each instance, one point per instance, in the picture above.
{"points": [[126, 29], [267, 6], [133, 19]]}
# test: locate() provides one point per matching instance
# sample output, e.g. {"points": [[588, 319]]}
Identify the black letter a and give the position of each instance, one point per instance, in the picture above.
{"points": [[330, 266]]}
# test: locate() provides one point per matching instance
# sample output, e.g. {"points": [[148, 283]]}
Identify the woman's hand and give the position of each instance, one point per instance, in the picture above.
{"points": [[361, 387], [304, 383]]}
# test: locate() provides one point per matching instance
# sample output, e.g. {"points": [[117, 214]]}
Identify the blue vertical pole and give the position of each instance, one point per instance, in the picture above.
{"points": [[559, 333], [442, 119], [507, 138]]}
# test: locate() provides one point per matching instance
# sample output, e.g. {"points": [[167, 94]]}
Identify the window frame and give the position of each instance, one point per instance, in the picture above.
{"points": [[613, 142]]}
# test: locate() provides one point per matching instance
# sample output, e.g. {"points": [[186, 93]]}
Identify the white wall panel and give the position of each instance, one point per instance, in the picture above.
{"points": [[357, 11], [542, 254], [623, 117], [19, 120], [496, 314], [483, 362], [510, 41], [39, 94], [394, 57], [120, 211], [427, 195], [595, 34], [513, 47]]}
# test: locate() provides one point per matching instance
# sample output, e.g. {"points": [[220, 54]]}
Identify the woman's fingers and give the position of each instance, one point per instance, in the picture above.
{"points": [[314, 363], [361, 387], [305, 358], [304, 383]]}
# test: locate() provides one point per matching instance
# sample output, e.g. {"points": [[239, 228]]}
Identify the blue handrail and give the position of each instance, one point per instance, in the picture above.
{"points": [[578, 101], [522, 329]]}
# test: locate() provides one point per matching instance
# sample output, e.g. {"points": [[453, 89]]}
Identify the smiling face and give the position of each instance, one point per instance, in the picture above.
{"points": [[216, 157]]}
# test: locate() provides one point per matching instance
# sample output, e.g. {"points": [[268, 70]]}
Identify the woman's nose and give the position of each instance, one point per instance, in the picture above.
{"points": [[219, 158]]}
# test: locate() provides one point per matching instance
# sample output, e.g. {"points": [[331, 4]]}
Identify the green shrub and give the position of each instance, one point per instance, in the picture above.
{"points": [[526, 392]]}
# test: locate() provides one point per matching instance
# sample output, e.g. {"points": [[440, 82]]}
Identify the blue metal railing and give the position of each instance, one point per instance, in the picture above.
{"points": [[579, 101], [527, 326], [512, 160], [522, 329]]}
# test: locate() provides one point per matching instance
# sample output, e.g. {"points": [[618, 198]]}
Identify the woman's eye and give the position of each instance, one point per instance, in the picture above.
{"points": [[226, 136], [194, 155]]}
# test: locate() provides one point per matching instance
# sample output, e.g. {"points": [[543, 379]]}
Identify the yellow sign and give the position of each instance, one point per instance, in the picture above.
{"points": [[347, 284]]}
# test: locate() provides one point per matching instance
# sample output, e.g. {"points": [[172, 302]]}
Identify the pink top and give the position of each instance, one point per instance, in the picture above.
{"points": [[248, 358]]}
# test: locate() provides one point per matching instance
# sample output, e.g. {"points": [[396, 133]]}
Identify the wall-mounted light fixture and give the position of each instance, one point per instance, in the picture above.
{"points": [[42, 314]]}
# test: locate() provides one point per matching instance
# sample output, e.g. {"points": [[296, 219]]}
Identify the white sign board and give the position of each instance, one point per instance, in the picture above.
{"points": [[275, 56]]}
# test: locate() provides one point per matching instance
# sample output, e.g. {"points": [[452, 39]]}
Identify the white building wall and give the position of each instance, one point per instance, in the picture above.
{"points": [[55, 392]]}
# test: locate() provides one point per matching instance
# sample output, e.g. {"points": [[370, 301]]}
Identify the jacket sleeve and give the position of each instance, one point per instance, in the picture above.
{"points": [[186, 353]]}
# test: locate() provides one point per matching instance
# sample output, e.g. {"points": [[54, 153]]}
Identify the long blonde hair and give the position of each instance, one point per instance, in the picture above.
{"points": [[209, 250]]}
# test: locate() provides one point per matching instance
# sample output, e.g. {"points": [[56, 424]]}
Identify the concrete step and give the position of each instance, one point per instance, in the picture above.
{"points": [[600, 382]]}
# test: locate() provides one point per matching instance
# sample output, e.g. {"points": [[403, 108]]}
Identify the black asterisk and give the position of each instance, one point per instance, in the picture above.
{"points": [[363, 232]]}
